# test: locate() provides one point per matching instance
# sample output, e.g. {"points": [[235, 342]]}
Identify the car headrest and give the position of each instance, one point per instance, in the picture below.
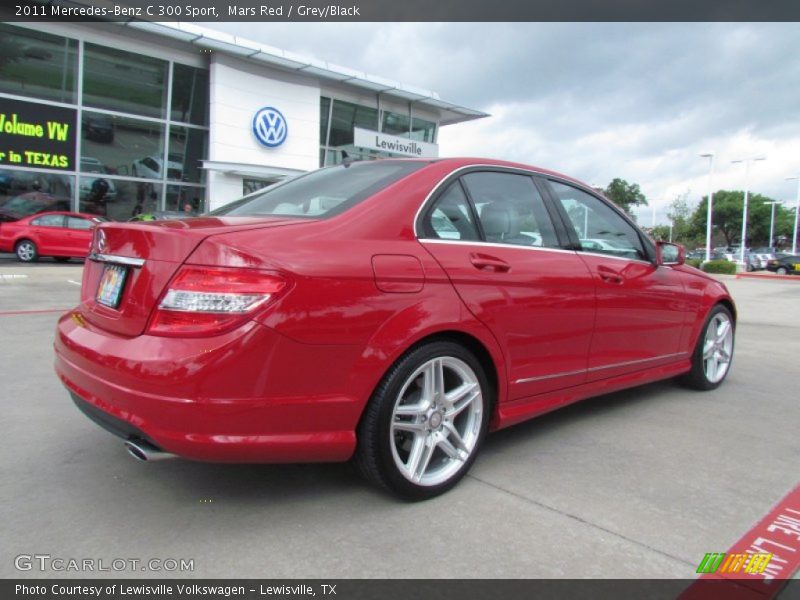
{"points": [[500, 220]]}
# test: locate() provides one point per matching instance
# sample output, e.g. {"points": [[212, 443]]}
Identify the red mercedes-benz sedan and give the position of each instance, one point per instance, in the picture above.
{"points": [[62, 235], [391, 312]]}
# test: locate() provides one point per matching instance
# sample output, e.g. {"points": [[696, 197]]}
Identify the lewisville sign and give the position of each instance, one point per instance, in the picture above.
{"points": [[37, 135], [373, 140]]}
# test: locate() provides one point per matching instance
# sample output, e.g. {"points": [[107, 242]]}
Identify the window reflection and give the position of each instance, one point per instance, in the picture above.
{"points": [[123, 81], [187, 148], [37, 64], [118, 199], [121, 145], [189, 95], [186, 199], [396, 124], [24, 193]]}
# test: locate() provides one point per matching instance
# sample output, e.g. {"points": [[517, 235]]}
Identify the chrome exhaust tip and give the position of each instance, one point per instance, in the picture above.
{"points": [[146, 452]]}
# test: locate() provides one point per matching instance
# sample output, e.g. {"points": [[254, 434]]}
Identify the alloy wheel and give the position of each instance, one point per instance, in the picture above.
{"points": [[718, 347], [436, 421]]}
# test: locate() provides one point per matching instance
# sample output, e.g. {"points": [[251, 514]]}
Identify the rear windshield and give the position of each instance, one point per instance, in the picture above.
{"points": [[324, 192]]}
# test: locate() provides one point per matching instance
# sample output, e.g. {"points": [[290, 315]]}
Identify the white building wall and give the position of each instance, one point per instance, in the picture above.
{"points": [[238, 90]]}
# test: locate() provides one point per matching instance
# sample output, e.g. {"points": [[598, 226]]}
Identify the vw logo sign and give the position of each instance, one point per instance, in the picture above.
{"points": [[269, 127]]}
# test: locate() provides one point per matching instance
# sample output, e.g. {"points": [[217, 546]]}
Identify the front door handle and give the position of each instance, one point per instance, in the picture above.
{"points": [[484, 262], [609, 275]]}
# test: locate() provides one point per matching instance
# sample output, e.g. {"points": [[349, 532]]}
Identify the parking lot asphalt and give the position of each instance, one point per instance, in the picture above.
{"points": [[637, 484]]}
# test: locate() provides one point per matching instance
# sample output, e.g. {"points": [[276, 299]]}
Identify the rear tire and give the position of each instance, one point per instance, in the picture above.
{"points": [[426, 421], [713, 354], [782, 271], [26, 251]]}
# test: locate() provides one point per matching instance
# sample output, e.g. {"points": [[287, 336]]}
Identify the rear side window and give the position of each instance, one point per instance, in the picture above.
{"points": [[451, 218], [510, 209], [49, 221], [324, 192]]}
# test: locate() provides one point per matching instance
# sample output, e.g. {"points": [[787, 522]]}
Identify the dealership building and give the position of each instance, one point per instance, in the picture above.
{"points": [[123, 118]]}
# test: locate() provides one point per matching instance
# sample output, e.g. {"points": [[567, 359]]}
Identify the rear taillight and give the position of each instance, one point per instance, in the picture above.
{"points": [[202, 301]]}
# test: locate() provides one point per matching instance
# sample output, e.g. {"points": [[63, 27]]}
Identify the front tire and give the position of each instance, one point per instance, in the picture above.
{"points": [[27, 251], [782, 271], [713, 353], [425, 422]]}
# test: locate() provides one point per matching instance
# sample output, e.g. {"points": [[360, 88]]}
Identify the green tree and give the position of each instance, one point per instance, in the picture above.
{"points": [[727, 218], [679, 213], [625, 195]]}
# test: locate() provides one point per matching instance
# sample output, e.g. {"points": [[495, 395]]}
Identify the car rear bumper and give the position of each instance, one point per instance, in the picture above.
{"points": [[251, 395]]}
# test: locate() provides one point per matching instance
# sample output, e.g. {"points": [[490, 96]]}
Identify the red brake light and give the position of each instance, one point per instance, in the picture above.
{"points": [[203, 301]]}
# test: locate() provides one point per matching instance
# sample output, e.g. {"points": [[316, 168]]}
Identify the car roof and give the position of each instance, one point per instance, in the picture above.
{"points": [[61, 212]]}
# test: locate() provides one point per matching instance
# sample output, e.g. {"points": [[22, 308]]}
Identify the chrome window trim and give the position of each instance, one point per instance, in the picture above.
{"points": [[601, 255], [499, 168], [120, 260], [494, 245], [612, 366]]}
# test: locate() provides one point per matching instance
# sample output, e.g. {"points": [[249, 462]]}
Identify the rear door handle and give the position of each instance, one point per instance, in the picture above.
{"points": [[484, 262]]}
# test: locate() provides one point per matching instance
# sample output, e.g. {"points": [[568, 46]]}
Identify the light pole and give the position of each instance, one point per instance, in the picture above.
{"points": [[710, 157], [772, 221], [796, 213], [747, 162]]}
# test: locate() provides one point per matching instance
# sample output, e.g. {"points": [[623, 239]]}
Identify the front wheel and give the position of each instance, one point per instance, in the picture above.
{"points": [[26, 251], [425, 422], [713, 354], [782, 271]]}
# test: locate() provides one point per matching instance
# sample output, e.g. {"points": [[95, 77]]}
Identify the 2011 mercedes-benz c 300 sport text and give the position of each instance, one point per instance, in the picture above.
{"points": [[389, 312]]}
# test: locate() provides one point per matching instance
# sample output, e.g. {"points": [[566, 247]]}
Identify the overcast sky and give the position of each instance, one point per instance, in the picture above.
{"points": [[595, 101]]}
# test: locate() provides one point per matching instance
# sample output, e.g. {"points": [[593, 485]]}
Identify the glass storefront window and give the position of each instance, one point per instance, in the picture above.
{"points": [[118, 199], [189, 95], [123, 81], [187, 148], [24, 193], [345, 117], [396, 124], [422, 130], [37, 64], [324, 115], [187, 199], [121, 146]]}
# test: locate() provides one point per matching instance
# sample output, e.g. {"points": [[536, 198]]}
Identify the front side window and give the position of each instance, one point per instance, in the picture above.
{"points": [[78, 223], [324, 192], [598, 227], [510, 209]]}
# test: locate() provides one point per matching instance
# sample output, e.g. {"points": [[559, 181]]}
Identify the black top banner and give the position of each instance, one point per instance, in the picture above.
{"points": [[401, 10]]}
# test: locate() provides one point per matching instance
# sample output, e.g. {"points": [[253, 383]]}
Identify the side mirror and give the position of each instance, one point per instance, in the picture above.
{"points": [[670, 254]]}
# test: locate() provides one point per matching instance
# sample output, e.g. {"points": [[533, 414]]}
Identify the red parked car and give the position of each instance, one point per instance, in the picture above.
{"points": [[59, 234], [390, 312]]}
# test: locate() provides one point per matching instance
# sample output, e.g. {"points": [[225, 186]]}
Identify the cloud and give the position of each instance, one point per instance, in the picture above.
{"points": [[596, 101]]}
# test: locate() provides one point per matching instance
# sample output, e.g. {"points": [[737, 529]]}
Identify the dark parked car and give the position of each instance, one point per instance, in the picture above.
{"points": [[784, 264], [391, 312], [99, 128]]}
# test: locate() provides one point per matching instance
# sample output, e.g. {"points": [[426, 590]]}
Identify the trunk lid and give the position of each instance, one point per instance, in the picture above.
{"points": [[158, 248]]}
